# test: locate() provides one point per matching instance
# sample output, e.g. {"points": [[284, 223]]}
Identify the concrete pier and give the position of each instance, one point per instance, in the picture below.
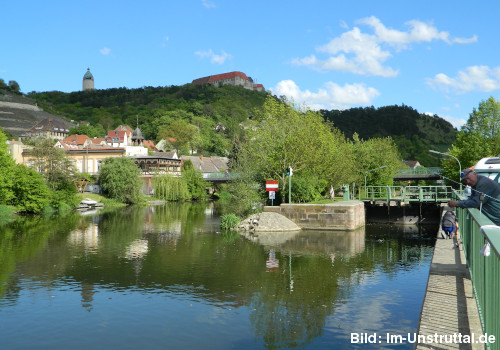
{"points": [[449, 306], [346, 215]]}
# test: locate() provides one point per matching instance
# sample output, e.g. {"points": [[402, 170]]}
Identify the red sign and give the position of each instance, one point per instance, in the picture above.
{"points": [[271, 185]]}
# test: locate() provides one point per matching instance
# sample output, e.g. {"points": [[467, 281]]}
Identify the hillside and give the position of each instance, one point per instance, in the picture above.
{"points": [[19, 113], [414, 133], [217, 113]]}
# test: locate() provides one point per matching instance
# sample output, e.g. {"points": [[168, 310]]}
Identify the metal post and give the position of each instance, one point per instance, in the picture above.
{"points": [[290, 189], [459, 165]]}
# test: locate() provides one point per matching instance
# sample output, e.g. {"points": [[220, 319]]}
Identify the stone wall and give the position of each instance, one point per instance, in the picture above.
{"points": [[348, 215]]}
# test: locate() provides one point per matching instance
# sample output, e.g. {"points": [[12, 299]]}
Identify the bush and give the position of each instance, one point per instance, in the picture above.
{"points": [[307, 188], [229, 221]]}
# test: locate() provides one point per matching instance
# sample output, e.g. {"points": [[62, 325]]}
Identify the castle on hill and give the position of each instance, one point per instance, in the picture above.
{"points": [[232, 78]]}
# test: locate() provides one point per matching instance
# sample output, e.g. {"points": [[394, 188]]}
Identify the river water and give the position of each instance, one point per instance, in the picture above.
{"points": [[165, 277]]}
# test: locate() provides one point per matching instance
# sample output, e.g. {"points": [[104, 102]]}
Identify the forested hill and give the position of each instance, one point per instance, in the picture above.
{"points": [[228, 105], [414, 133], [210, 108]]}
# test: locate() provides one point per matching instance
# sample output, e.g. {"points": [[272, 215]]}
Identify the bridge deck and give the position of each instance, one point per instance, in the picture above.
{"points": [[449, 304]]}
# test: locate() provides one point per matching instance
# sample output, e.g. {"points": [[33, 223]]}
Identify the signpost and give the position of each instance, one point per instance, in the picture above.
{"points": [[272, 187]]}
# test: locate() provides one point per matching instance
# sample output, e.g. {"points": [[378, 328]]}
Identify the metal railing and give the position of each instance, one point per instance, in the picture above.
{"points": [[406, 193], [485, 271]]}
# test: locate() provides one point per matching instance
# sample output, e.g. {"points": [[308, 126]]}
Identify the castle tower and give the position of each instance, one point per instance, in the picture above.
{"points": [[88, 81]]}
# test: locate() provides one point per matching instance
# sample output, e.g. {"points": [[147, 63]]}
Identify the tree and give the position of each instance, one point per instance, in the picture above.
{"points": [[31, 194], [478, 138], [7, 176], [485, 120], [53, 164], [119, 178], [196, 185], [181, 131], [14, 86], [89, 130], [287, 136], [375, 153]]}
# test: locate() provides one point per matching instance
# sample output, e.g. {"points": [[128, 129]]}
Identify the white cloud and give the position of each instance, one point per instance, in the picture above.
{"points": [[473, 78], [105, 51], [214, 58], [164, 42], [208, 4], [332, 96], [366, 53]]}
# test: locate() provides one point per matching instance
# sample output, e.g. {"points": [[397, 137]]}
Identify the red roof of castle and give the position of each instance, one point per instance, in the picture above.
{"points": [[218, 77]]}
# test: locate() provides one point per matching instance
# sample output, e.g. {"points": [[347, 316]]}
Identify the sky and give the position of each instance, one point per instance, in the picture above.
{"points": [[439, 57]]}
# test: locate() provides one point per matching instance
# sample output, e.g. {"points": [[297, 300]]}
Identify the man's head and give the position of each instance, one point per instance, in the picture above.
{"points": [[468, 177]]}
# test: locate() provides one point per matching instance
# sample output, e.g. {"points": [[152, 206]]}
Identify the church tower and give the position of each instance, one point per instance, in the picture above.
{"points": [[88, 81]]}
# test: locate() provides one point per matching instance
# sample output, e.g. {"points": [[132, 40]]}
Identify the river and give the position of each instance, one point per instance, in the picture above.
{"points": [[165, 277]]}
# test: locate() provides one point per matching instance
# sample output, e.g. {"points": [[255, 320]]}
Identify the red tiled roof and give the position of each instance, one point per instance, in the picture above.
{"points": [[218, 77], [77, 139], [98, 140], [149, 144], [116, 133], [258, 85]]}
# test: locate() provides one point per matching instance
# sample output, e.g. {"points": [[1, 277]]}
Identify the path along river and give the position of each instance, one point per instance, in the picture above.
{"points": [[165, 277]]}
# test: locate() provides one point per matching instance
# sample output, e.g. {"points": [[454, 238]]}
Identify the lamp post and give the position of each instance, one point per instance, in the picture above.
{"points": [[382, 167], [449, 155]]}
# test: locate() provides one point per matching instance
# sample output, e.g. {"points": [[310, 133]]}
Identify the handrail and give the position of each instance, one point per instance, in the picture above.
{"points": [[406, 193], [485, 271]]}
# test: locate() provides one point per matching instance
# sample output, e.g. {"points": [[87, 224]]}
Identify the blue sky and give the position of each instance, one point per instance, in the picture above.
{"points": [[439, 57]]}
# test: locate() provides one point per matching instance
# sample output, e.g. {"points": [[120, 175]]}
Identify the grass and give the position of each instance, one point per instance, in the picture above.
{"points": [[326, 201]]}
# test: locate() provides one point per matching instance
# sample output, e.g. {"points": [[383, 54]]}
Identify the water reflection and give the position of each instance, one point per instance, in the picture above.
{"points": [[305, 289]]}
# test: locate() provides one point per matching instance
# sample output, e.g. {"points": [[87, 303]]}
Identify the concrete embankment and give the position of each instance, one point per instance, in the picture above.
{"points": [[347, 215]]}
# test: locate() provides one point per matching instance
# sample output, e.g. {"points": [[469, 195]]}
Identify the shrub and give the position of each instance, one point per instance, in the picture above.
{"points": [[229, 221]]}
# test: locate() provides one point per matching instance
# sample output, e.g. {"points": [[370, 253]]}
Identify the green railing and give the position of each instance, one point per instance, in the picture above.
{"points": [[406, 193], [485, 271]]}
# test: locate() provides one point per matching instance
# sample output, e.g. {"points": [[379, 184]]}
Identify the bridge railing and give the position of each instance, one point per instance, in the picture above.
{"points": [[406, 193], [485, 271]]}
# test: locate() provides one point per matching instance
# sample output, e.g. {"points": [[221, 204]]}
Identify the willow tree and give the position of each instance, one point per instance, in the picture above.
{"points": [[288, 136]]}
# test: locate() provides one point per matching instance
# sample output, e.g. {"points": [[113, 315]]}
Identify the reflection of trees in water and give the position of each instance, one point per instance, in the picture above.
{"points": [[141, 247], [291, 317]]}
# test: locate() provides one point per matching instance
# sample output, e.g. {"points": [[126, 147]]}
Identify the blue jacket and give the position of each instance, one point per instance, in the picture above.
{"points": [[491, 198]]}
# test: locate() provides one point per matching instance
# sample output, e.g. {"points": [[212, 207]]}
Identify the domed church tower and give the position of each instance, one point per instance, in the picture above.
{"points": [[88, 81]]}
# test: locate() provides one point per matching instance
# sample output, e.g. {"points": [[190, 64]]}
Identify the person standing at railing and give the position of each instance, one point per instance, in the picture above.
{"points": [[485, 195]]}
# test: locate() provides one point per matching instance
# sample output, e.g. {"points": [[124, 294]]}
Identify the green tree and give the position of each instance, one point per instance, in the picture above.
{"points": [[287, 136], [194, 179], [375, 153], [485, 120], [53, 164], [14, 86], [181, 131], [31, 194], [119, 178], [7, 175], [478, 138], [89, 130]]}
